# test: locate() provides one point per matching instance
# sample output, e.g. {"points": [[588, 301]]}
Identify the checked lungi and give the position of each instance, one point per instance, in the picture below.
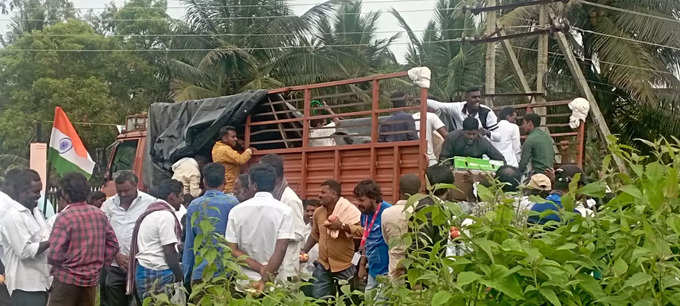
{"points": [[149, 282]]}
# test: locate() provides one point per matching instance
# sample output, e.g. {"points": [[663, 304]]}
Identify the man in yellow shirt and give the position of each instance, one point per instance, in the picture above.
{"points": [[224, 153]]}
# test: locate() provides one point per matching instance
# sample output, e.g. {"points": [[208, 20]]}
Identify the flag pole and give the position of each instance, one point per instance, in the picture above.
{"points": [[47, 180], [48, 171]]}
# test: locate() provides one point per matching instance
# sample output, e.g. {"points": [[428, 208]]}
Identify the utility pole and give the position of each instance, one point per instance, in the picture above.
{"points": [[490, 84], [547, 24]]}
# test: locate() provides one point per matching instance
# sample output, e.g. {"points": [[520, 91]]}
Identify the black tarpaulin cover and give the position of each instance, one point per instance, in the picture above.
{"points": [[184, 129]]}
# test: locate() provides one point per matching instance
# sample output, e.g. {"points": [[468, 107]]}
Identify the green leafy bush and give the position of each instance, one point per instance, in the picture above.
{"points": [[627, 253]]}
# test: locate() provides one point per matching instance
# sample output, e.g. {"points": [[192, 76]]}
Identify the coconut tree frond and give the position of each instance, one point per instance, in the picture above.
{"points": [[411, 35]]}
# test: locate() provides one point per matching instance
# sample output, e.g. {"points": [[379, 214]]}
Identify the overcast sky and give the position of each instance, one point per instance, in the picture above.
{"points": [[416, 12]]}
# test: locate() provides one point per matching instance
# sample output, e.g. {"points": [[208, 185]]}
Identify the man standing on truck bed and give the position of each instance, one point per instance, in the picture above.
{"points": [[224, 153], [454, 113]]}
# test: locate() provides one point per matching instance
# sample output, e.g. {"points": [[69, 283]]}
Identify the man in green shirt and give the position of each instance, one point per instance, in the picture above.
{"points": [[538, 147]]}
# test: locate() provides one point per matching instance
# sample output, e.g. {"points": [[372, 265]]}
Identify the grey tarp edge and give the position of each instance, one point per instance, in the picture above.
{"points": [[177, 130]]}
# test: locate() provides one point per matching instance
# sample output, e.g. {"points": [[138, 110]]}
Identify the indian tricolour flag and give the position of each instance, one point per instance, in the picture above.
{"points": [[67, 152]]}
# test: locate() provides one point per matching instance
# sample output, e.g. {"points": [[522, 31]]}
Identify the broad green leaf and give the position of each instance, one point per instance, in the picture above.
{"points": [[596, 189], [633, 191], [620, 267], [550, 295], [637, 279], [486, 246], [589, 284], [615, 300], [674, 223], [485, 194], [645, 302], [465, 278], [441, 298], [508, 286], [567, 246]]}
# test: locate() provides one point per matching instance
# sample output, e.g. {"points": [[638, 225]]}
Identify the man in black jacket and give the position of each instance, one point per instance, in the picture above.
{"points": [[468, 143]]}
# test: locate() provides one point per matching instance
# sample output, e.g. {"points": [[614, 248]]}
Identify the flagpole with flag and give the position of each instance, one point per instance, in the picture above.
{"points": [[66, 152]]}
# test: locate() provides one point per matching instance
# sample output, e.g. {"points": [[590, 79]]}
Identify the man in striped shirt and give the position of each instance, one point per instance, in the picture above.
{"points": [[81, 243]]}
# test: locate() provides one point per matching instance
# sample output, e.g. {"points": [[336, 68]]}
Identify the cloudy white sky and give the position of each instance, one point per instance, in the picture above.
{"points": [[416, 12]]}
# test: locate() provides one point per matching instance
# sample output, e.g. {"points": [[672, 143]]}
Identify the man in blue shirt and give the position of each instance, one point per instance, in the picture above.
{"points": [[563, 178], [373, 246], [215, 205]]}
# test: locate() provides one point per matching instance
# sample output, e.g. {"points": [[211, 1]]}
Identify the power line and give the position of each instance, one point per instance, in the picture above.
{"points": [[628, 39], [233, 17], [601, 61], [249, 5], [213, 49], [245, 34], [618, 9]]}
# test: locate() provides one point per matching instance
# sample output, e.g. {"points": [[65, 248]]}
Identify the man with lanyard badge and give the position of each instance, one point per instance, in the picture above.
{"points": [[373, 246]]}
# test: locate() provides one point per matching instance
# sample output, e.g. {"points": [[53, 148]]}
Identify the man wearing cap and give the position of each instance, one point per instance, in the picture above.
{"points": [[542, 183]]}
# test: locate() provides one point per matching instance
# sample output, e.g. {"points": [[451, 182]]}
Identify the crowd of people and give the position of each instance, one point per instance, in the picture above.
{"points": [[136, 244]]}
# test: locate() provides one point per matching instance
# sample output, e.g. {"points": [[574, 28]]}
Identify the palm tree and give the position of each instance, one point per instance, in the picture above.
{"points": [[455, 65], [244, 42]]}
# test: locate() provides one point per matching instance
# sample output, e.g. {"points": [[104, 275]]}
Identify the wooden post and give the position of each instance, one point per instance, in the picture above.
{"points": [[519, 72], [582, 83], [542, 64], [490, 83]]}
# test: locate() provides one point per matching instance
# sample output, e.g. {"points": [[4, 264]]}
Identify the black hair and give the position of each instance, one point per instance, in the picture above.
{"points": [[510, 176], [74, 185], [275, 161], [95, 195], [312, 202], [439, 174], [398, 99], [202, 159], [565, 175], [470, 124], [263, 176], [21, 179], [225, 129], [244, 180], [369, 189], [213, 175], [126, 176], [472, 89], [166, 188], [333, 185], [505, 112], [409, 184], [533, 118]]}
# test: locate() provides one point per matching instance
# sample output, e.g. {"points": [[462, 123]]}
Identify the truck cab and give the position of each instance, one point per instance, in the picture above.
{"points": [[127, 152]]}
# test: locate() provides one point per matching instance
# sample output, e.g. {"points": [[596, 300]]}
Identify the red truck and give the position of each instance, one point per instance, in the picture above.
{"points": [[282, 120]]}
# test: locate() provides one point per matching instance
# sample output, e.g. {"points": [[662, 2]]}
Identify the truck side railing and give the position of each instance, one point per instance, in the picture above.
{"points": [[292, 119]]}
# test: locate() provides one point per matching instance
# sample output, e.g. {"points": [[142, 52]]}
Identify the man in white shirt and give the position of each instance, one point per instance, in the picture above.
{"points": [[24, 237], [454, 113], [260, 229], [282, 192], [307, 262], [506, 137], [188, 172], [155, 238], [122, 210], [434, 125]]}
